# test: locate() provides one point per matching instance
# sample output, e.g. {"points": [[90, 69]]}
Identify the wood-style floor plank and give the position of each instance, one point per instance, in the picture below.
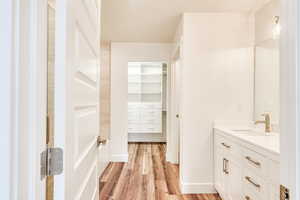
{"points": [[147, 176]]}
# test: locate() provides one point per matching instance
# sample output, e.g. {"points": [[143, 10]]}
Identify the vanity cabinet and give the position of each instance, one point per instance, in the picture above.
{"points": [[228, 171], [242, 172]]}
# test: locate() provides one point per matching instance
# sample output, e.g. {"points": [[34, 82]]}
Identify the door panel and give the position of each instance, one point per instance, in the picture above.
{"points": [[77, 97], [86, 124], [84, 93]]}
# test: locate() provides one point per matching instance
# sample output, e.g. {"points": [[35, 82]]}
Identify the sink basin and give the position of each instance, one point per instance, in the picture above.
{"points": [[250, 132]]}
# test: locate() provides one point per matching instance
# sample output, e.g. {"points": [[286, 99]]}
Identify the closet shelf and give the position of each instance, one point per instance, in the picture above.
{"points": [[145, 82], [145, 89], [144, 74]]}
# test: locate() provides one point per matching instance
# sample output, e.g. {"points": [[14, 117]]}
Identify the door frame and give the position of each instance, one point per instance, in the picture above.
{"points": [[8, 144], [23, 81], [289, 97], [173, 140]]}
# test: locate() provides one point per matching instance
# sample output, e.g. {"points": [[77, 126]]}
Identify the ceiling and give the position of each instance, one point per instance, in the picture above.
{"points": [[156, 20]]}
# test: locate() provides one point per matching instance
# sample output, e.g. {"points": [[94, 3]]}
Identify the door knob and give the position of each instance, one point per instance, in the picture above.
{"points": [[100, 141], [177, 116]]}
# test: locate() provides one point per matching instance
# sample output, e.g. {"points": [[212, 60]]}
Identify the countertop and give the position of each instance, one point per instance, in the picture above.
{"points": [[268, 143]]}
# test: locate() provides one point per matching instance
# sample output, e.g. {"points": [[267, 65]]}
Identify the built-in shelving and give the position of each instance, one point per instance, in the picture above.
{"points": [[145, 97]]}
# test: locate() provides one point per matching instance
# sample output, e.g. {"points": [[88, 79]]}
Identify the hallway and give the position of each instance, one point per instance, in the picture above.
{"points": [[147, 176]]}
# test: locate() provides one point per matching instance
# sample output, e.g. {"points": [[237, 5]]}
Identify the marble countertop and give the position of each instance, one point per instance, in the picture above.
{"points": [[267, 142]]}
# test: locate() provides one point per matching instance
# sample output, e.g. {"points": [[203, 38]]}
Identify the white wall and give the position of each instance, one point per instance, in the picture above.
{"points": [[121, 54], [217, 84]]}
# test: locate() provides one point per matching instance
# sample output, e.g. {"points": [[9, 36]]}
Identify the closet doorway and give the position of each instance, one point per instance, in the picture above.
{"points": [[147, 102]]}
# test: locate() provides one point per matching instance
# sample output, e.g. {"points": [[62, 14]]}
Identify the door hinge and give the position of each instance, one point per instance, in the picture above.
{"points": [[51, 162], [284, 193]]}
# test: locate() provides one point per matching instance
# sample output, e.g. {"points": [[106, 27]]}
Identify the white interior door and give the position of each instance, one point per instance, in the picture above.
{"points": [[77, 97]]}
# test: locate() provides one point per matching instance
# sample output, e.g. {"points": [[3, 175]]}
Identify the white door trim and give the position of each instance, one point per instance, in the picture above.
{"points": [[172, 136], [289, 94], [7, 101], [23, 54]]}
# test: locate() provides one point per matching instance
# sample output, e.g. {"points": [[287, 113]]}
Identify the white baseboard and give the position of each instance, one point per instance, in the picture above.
{"points": [[171, 158], [147, 140], [198, 188], [146, 137], [119, 158]]}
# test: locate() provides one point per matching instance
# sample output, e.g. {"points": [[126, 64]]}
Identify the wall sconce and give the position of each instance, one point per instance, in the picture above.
{"points": [[276, 28]]}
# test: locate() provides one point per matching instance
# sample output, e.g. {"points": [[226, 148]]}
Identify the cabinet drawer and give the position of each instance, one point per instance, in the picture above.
{"points": [[134, 105], [248, 195], [133, 114], [255, 185], [151, 122], [133, 121], [133, 118], [156, 115], [151, 112], [150, 130], [133, 110], [275, 173], [134, 78], [133, 125], [151, 106], [133, 129], [152, 125], [132, 88], [228, 146], [256, 162]]}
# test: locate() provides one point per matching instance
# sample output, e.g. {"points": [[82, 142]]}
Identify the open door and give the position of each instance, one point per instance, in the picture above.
{"points": [[76, 124]]}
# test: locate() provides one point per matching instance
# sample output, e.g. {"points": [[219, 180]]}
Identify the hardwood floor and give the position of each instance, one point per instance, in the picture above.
{"points": [[147, 176]]}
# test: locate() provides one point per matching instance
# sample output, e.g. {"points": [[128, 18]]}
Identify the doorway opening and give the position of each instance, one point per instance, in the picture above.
{"points": [[147, 102]]}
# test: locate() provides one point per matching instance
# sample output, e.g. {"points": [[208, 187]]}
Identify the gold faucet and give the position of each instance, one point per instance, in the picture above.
{"points": [[267, 122]]}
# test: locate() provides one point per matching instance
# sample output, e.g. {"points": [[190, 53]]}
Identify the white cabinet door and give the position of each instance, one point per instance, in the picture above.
{"points": [[234, 189], [228, 173], [220, 173]]}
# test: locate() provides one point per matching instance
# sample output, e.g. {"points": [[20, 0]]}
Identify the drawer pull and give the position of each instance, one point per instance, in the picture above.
{"points": [[252, 182], [247, 198], [225, 145], [225, 166], [252, 161]]}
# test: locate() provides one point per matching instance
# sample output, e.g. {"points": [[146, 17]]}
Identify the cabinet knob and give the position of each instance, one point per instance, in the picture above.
{"points": [[177, 116]]}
